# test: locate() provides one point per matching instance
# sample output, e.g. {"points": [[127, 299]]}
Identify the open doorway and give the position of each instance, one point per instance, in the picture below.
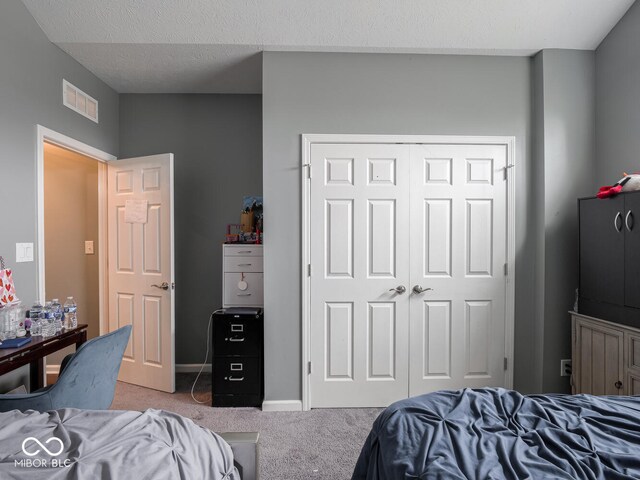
{"points": [[71, 191], [72, 237], [137, 287]]}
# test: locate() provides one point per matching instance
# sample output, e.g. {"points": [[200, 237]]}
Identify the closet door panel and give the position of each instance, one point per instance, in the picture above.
{"points": [[602, 240], [632, 250]]}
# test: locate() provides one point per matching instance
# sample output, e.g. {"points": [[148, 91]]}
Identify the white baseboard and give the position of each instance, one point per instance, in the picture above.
{"points": [[180, 368], [282, 406], [192, 368]]}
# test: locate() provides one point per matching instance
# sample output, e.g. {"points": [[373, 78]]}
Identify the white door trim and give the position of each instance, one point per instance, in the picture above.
{"points": [[51, 136], [308, 139]]}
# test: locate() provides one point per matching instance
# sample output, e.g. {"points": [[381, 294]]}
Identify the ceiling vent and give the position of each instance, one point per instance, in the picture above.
{"points": [[78, 101]]}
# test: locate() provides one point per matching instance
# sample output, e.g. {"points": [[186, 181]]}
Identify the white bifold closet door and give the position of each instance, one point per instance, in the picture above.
{"points": [[458, 250], [426, 219], [359, 255]]}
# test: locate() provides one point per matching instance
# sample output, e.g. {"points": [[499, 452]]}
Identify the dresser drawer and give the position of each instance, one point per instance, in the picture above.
{"points": [[237, 336], [242, 250], [252, 296], [243, 264], [239, 375]]}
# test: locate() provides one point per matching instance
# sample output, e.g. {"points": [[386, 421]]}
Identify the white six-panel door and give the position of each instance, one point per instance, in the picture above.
{"points": [[359, 255], [458, 254], [429, 217], [141, 268]]}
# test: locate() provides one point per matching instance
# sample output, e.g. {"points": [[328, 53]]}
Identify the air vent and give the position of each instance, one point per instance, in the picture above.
{"points": [[78, 101]]}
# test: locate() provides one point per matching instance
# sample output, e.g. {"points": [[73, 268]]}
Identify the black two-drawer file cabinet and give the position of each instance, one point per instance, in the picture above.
{"points": [[238, 372]]}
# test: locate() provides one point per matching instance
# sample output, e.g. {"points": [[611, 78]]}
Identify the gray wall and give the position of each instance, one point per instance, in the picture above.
{"points": [[618, 100], [385, 94], [564, 103], [30, 94], [217, 142], [537, 222]]}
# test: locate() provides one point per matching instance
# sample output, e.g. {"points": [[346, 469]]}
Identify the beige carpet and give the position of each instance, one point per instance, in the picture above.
{"points": [[319, 444]]}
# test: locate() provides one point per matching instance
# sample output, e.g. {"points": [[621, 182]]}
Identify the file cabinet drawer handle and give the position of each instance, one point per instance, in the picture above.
{"points": [[244, 264], [234, 339], [234, 379], [245, 251], [243, 294]]}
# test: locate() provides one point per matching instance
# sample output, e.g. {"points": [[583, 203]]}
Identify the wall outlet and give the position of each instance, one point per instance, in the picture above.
{"points": [[565, 367], [88, 247]]}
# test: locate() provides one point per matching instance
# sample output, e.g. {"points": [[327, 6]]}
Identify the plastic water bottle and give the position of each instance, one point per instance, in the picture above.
{"points": [[56, 311], [70, 313], [36, 322], [48, 328]]}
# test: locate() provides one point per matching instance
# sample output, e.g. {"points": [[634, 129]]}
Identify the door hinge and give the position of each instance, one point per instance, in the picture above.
{"points": [[309, 368], [308, 165], [506, 170], [506, 269], [506, 362], [309, 269]]}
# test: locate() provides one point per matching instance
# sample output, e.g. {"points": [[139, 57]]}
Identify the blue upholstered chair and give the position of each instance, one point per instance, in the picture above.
{"points": [[87, 378]]}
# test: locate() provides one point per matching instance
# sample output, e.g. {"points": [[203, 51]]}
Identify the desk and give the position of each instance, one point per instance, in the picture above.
{"points": [[33, 353]]}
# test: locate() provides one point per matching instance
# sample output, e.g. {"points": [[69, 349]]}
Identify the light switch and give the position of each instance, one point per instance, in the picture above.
{"points": [[24, 252], [88, 247]]}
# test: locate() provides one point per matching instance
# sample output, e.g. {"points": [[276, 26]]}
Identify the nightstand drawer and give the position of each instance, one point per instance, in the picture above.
{"points": [[237, 375], [243, 250], [236, 336], [243, 264], [253, 295]]}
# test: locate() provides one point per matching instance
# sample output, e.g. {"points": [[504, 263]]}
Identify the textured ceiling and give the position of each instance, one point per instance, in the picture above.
{"points": [[199, 46]]}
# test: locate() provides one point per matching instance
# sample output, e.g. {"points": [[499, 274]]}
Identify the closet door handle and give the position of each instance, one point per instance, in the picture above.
{"points": [[400, 289], [626, 220], [417, 289], [615, 222]]}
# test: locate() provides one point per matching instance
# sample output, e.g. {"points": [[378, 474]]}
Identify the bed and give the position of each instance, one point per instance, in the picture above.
{"points": [[109, 444], [497, 433]]}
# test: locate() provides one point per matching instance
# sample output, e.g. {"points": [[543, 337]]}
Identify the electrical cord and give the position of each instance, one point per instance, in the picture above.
{"points": [[206, 356]]}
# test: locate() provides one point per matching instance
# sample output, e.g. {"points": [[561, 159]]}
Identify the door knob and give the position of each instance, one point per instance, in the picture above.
{"points": [[618, 384], [162, 286], [419, 289], [399, 289]]}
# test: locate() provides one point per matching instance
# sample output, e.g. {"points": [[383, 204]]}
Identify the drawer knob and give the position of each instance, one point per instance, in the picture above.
{"points": [[618, 384]]}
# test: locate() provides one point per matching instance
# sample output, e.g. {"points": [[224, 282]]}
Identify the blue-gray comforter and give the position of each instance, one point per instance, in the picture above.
{"points": [[496, 433]]}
